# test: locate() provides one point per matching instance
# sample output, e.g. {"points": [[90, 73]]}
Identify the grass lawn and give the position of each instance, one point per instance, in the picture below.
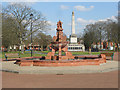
{"points": [[27, 54], [44, 53], [85, 53]]}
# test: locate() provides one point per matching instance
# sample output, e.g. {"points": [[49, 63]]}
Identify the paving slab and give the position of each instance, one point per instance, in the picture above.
{"points": [[9, 66], [83, 80]]}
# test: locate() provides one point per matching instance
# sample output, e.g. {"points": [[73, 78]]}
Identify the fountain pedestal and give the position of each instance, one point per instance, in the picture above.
{"points": [[59, 44]]}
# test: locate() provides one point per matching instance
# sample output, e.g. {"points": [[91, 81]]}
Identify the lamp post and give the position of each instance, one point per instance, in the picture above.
{"points": [[100, 31], [100, 38], [31, 16]]}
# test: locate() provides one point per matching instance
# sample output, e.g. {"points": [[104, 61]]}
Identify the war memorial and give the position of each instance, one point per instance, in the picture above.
{"points": [[73, 45]]}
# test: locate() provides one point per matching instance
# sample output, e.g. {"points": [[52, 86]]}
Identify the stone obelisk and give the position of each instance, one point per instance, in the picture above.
{"points": [[73, 23], [73, 45], [73, 37]]}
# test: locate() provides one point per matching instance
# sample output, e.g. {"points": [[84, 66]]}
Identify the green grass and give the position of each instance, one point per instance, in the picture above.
{"points": [[85, 53], [109, 51], [44, 53], [29, 55], [26, 54], [82, 53]]}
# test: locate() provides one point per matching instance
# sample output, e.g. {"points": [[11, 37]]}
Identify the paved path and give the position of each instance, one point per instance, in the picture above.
{"points": [[103, 76], [109, 66], [101, 80]]}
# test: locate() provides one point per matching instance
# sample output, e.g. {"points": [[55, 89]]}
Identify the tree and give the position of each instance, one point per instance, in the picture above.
{"points": [[42, 40], [90, 35], [21, 13], [9, 29], [101, 30], [112, 32]]}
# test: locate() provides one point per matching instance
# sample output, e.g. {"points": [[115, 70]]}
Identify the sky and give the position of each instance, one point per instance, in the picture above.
{"points": [[85, 13]]}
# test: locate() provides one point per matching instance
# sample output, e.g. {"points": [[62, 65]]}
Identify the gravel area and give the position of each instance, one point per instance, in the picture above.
{"points": [[107, 67]]}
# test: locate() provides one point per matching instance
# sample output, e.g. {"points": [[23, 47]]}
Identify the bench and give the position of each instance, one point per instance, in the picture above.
{"points": [[14, 55], [109, 55]]}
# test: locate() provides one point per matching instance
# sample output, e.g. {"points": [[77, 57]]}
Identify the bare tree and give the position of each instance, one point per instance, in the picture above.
{"points": [[102, 30], [90, 35], [21, 13], [9, 29], [112, 31], [43, 40]]}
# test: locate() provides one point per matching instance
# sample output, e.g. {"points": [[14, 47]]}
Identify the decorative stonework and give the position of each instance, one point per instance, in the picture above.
{"points": [[59, 44], [95, 60]]}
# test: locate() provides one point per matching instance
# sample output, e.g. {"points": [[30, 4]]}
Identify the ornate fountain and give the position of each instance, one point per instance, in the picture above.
{"points": [[59, 44]]}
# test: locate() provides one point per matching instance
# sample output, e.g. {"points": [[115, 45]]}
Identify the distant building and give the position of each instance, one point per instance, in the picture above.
{"points": [[105, 45], [35, 47]]}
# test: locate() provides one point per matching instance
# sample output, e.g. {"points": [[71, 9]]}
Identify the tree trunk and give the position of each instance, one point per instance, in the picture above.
{"points": [[47, 47], [8, 48], [113, 46], [41, 47], [12, 47], [22, 47], [117, 47]]}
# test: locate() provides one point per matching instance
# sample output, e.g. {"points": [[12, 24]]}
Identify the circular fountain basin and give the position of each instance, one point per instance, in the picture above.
{"points": [[85, 60]]}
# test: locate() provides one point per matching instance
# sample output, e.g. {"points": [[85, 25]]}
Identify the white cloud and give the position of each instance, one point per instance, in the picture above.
{"points": [[103, 20], [25, 2], [51, 23], [112, 18], [83, 8], [84, 22], [53, 29], [64, 7]]}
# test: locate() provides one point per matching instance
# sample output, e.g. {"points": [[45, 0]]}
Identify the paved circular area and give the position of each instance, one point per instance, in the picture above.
{"points": [[11, 67], [91, 80]]}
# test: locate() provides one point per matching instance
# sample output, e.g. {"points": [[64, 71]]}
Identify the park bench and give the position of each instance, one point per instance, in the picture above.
{"points": [[13, 55], [109, 55]]}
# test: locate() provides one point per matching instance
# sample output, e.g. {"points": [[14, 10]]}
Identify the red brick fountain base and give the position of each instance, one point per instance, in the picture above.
{"points": [[93, 60]]}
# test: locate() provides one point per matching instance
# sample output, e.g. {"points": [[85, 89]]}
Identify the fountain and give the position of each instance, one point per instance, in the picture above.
{"points": [[59, 44]]}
